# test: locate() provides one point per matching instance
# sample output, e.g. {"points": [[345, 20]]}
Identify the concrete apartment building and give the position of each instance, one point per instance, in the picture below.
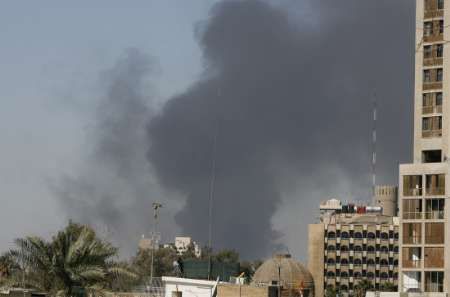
{"points": [[425, 260], [352, 243]]}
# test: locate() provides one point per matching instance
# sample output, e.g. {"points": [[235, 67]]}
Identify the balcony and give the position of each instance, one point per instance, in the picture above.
{"points": [[432, 61], [411, 263], [432, 85], [432, 109], [433, 13], [431, 133], [435, 191]]}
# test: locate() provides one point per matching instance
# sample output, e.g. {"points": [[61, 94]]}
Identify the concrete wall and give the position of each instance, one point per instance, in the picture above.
{"points": [[316, 255], [228, 290]]}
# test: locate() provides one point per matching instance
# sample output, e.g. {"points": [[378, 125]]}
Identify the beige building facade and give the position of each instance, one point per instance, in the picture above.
{"points": [[353, 243], [425, 260]]}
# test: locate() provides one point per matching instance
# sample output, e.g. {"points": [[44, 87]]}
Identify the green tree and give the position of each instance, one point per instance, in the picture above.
{"points": [[332, 292], [388, 287], [163, 260], [74, 260], [362, 287], [226, 256]]}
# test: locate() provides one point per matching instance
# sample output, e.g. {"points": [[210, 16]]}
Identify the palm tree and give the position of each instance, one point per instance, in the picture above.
{"points": [[75, 260], [362, 287]]}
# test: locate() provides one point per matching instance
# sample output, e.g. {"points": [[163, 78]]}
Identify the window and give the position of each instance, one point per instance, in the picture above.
{"points": [[344, 248], [411, 257], [434, 257], [434, 281], [330, 274], [331, 248], [357, 262], [344, 262], [412, 185], [331, 235], [427, 52], [358, 248], [412, 233], [344, 274], [428, 28], [435, 183], [426, 124], [370, 275], [439, 74], [427, 99], [439, 50], [370, 262], [384, 262], [384, 249], [434, 209], [440, 4], [384, 276], [344, 235], [439, 98], [330, 262], [434, 233], [371, 235], [371, 249], [441, 27], [434, 156], [357, 274], [358, 235], [427, 76], [412, 281], [412, 209]]}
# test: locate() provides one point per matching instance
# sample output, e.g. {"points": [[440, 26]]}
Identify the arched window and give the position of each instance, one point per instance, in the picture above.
{"points": [[344, 248], [395, 276], [357, 274], [396, 235], [395, 262], [344, 288], [344, 274], [384, 249], [330, 261], [331, 248], [358, 235], [344, 262], [330, 274], [384, 235], [384, 275], [384, 262], [371, 235], [371, 249], [331, 234], [370, 275], [370, 262], [358, 248], [395, 249], [344, 235], [357, 261]]}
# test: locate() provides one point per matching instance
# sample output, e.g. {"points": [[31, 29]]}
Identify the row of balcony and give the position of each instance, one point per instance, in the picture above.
{"points": [[432, 109], [364, 240]]}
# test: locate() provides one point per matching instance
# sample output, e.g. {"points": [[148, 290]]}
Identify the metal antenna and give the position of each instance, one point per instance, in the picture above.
{"points": [[211, 194], [374, 144], [156, 206]]}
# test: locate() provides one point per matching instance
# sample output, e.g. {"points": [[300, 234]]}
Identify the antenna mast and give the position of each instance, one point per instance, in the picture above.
{"points": [[374, 143]]}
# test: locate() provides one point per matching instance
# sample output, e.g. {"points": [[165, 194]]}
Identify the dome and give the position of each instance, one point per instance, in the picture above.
{"points": [[283, 268]]}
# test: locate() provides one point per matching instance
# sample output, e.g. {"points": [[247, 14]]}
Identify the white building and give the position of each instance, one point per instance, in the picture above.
{"points": [[182, 244], [188, 287]]}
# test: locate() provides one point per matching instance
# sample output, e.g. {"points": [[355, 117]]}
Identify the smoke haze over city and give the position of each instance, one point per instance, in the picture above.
{"points": [[279, 101]]}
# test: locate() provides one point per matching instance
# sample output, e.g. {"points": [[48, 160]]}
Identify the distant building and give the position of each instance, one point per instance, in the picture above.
{"points": [[183, 243], [185, 287], [148, 244], [352, 243]]}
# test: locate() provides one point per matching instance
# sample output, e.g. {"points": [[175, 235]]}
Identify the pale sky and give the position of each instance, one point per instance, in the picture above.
{"points": [[51, 55]]}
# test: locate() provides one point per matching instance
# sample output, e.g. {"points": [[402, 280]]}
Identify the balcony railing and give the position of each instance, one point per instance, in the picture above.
{"points": [[412, 192], [411, 263], [432, 109], [435, 191], [434, 215], [432, 85], [412, 215], [435, 61], [433, 37], [433, 13], [431, 133]]}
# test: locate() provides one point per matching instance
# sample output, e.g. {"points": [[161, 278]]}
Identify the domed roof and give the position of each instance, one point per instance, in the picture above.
{"points": [[284, 269]]}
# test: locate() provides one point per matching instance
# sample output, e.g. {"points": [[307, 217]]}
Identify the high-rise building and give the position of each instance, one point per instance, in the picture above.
{"points": [[354, 243], [425, 259]]}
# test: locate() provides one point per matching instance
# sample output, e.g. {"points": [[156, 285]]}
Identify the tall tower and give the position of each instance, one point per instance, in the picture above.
{"points": [[425, 249]]}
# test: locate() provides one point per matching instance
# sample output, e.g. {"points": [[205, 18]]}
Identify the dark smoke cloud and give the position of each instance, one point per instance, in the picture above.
{"points": [[285, 93]]}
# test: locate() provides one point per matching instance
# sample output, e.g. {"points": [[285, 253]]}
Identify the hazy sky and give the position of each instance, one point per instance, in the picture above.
{"points": [[64, 64], [51, 57]]}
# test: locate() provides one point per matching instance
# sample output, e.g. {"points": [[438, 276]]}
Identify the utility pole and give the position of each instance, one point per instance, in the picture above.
{"points": [[156, 206]]}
